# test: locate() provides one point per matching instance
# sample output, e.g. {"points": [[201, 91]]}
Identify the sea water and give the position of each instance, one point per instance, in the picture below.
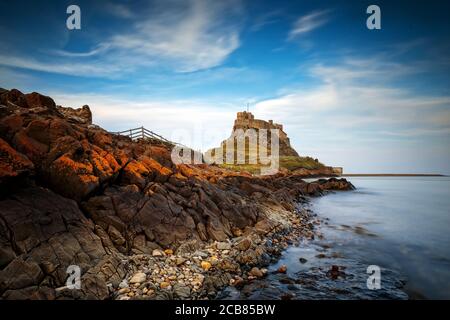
{"points": [[399, 224]]}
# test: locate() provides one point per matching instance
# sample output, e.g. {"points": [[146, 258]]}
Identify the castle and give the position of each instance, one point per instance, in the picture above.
{"points": [[246, 120], [288, 158]]}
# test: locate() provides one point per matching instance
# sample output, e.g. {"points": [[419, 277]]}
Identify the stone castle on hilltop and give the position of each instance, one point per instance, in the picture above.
{"points": [[246, 120]]}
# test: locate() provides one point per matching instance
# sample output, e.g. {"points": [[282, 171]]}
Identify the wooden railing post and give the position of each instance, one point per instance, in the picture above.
{"points": [[134, 134]]}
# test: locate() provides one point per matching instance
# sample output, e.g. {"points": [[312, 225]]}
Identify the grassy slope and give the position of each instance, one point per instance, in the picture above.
{"points": [[288, 162]]}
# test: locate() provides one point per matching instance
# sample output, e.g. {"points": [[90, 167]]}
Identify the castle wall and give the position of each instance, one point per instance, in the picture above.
{"points": [[246, 120]]}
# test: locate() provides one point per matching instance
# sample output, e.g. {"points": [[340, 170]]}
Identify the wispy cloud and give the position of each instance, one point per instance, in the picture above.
{"points": [[69, 68], [190, 36], [356, 92], [95, 51], [266, 19], [308, 23], [361, 102], [363, 68]]}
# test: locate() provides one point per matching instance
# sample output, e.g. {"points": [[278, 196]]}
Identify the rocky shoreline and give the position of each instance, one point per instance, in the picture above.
{"points": [[200, 271], [136, 224]]}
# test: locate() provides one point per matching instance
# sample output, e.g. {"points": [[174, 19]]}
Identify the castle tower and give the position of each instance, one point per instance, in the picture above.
{"points": [[246, 120]]}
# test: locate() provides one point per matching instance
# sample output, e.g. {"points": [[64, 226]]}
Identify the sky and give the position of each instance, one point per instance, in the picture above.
{"points": [[371, 101]]}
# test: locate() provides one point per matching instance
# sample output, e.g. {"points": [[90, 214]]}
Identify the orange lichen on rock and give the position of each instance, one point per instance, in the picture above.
{"points": [[104, 164], [74, 179], [187, 171], [161, 173], [32, 148], [134, 173], [12, 163]]}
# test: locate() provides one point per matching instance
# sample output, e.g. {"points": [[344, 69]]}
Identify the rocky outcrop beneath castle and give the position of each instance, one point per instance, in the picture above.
{"points": [[322, 171], [74, 194]]}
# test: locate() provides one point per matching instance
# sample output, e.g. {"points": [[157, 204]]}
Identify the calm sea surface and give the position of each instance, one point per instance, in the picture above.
{"points": [[400, 224]]}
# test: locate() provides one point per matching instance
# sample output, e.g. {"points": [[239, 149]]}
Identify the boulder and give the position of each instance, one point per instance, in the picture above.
{"points": [[244, 244], [256, 272], [138, 277], [282, 269], [264, 226], [205, 265], [181, 291], [81, 115], [35, 100], [223, 246]]}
